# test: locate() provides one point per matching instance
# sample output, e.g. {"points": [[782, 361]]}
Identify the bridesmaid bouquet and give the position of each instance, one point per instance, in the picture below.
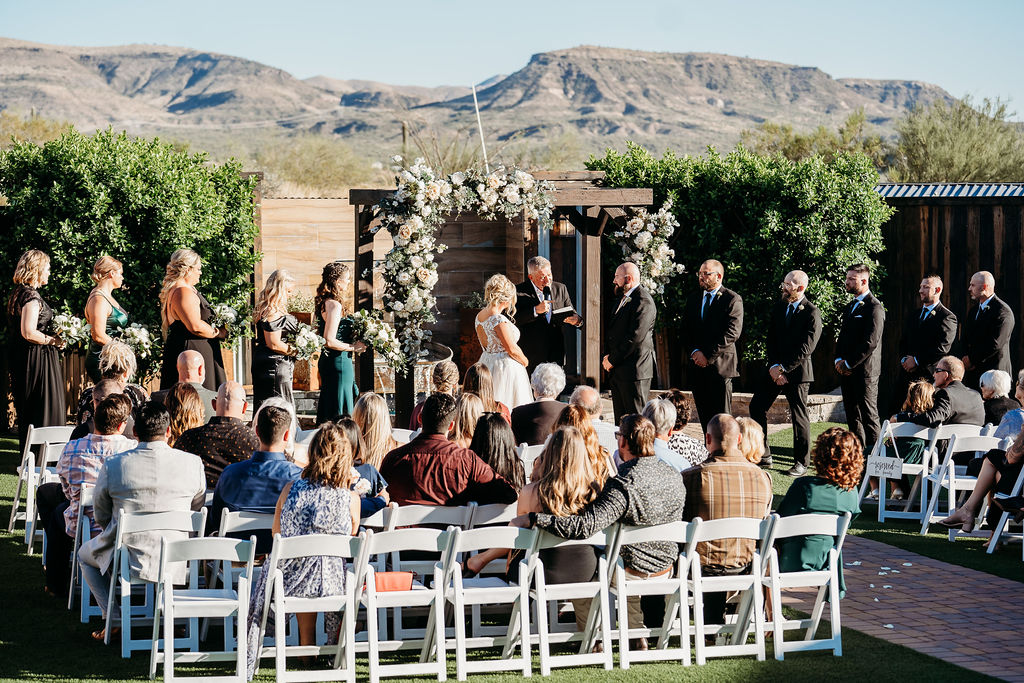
{"points": [[307, 343], [73, 330], [381, 337], [238, 325], [138, 338], [360, 485]]}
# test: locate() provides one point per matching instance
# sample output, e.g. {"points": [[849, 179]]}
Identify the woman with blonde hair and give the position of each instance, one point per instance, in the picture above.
{"points": [[499, 338], [185, 316], [273, 359], [117, 362], [468, 409], [601, 464], [479, 381], [333, 307], [37, 380], [104, 315], [751, 440], [374, 419], [186, 409], [444, 379], [920, 399]]}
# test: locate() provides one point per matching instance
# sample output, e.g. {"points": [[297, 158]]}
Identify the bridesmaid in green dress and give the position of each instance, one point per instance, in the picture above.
{"points": [[338, 390], [102, 312]]}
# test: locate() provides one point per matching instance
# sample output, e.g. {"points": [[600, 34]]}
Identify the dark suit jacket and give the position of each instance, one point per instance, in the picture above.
{"points": [[542, 341], [531, 423], [790, 344], [986, 341], [930, 339], [629, 342], [860, 336], [716, 334], [954, 405]]}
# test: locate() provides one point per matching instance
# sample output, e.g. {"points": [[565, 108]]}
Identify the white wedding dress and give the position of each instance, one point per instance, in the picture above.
{"points": [[511, 383]]}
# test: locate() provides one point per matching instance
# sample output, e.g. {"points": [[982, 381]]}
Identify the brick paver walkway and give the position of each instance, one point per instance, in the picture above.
{"points": [[959, 615]]}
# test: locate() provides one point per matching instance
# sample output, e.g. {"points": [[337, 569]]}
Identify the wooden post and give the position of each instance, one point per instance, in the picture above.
{"points": [[362, 281], [405, 396], [590, 372]]}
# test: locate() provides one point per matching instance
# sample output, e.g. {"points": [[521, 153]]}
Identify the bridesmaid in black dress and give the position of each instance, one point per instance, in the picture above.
{"points": [[338, 390], [38, 382], [185, 314], [273, 359]]}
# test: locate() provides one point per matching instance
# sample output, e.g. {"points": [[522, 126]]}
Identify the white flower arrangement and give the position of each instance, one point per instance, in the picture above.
{"points": [[372, 330], [237, 324], [307, 342], [73, 330], [138, 339], [644, 241], [421, 202], [361, 486]]}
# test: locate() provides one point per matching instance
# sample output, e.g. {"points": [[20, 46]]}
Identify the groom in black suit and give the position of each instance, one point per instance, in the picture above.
{"points": [[859, 356], [793, 333], [537, 299], [630, 343], [928, 335]]}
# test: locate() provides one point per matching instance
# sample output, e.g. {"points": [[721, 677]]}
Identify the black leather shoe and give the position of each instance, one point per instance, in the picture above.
{"points": [[1014, 504], [796, 470], [766, 462]]}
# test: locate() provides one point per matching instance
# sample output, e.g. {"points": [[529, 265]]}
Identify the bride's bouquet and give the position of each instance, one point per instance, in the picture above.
{"points": [[359, 485], [73, 330], [371, 329], [307, 343], [238, 325], [138, 338]]}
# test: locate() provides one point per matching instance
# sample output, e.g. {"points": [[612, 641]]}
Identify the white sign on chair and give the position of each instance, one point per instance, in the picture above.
{"points": [[881, 466]]}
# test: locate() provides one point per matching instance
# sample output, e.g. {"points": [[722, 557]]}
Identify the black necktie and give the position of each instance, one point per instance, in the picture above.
{"points": [[704, 306], [789, 311], [924, 314]]}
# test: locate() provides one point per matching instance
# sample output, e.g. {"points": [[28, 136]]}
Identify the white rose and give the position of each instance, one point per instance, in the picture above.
{"points": [[425, 210], [415, 222], [642, 240], [493, 181], [398, 306], [416, 261], [404, 278], [432, 191], [405, 231], [458, 178], [423, 275]]}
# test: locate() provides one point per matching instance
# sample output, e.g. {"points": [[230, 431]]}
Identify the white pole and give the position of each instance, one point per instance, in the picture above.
{"points": [[480, 128]]}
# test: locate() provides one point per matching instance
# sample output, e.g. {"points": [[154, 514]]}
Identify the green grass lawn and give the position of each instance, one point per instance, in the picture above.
{"points": [[41, 641]]}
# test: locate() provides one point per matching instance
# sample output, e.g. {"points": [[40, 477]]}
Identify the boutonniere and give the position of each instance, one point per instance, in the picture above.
{"points": [[719, 294], [931, 313], [800, 307]]}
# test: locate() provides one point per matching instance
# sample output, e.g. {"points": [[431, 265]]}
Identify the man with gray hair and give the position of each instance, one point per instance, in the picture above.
{"points": [[542, 307], [226, 438], [531, 422], [986, 330], [589, 399], [662, 415]]}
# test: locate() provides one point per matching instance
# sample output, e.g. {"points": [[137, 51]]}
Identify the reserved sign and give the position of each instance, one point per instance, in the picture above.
{"points": [[881, 466]]}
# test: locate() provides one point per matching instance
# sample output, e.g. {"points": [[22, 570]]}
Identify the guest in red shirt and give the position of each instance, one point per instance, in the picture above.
{"points": [[431, 470]]}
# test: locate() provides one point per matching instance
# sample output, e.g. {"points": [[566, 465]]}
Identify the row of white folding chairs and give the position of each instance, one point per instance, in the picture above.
{"points": [[33, 471]]}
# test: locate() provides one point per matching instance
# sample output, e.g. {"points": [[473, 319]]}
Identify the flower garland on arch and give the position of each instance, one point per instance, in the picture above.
{"points": [[644, 241], [421, 203]]}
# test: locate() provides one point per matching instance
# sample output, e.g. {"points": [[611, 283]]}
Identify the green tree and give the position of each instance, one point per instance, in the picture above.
{"points": [[959, 143], [761, 216], [853, 135], [79, 196]]}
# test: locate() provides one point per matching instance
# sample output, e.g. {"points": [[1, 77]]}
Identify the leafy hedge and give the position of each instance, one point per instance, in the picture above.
{"points": [[81, 196], [761, 216]]}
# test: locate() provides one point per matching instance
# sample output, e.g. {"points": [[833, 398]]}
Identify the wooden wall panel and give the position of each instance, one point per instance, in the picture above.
{"points": [[302, 235]]}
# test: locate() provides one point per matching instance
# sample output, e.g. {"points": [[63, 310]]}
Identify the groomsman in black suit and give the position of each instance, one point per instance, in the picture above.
{"points": [[537, 299], [987, 330], [859, 356], [928, 334], [793, 333], [712, 323], [630, 343]]}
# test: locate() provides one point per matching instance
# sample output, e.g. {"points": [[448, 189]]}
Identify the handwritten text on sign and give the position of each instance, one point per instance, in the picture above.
{"points": [[880, 466]]}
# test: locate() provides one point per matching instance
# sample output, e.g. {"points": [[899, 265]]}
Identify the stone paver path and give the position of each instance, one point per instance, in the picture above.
{"points": [[959, 615]]}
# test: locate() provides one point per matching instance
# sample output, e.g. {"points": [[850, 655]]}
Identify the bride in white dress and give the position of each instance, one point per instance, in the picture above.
{"points": [[499, 338]]}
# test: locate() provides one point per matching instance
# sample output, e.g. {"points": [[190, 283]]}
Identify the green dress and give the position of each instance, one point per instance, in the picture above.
{"points": [[338, 390], [814, 495], [116, 321]]}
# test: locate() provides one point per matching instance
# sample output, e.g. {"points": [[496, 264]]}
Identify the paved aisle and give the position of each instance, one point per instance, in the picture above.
{"points": [[959, 615]]}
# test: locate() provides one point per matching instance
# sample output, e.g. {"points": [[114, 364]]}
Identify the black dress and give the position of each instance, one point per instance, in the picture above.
{"points": [[180, 339], [37, 380], [272, 371]]}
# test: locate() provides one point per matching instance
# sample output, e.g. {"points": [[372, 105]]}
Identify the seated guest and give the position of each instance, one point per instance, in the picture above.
{"points": [[226, 438], [117, 362], [370, 486], [646, 491], [662, 415], [838, 460], [255, 484], [152, 477], [600, 460], [751, 440], [725, 485], [374, 420], [295, 451], [998, 474], [431, 470], [995, 390], [192, 370], [1012, 421], [186, 409], [920, 399], [494, 443], [320, 501], [102, 389], [478, 381], [562, 485], [468, 409], [690, 448], [80, 462], [444, 379], [589, 399], [531, 422], [954, 402]]}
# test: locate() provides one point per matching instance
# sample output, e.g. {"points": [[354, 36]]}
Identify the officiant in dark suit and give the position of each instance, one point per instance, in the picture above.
{"points": [[630, 343], [928, 335], [859, 356], [793, 333], [712, 322], [987, 330], [543, 307]]}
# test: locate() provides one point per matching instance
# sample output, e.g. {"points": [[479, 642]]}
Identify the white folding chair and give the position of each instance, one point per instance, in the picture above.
{"points": [[28, 471], [595, 590], [527, 454], [1001, 531], [890, 432], [82, 533], [44, 473], [286, 550], [750, 584], [492, 514], [432, 598], [121, 578], [954, 479], [194, 601], [673, 585], [825, 580], [401, 435], [238, 523]]}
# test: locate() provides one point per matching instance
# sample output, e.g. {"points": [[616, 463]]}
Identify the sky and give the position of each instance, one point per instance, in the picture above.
{"points": [[968, 48]]}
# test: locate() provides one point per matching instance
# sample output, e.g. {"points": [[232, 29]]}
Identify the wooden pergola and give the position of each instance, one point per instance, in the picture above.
{"points": [[579, 198]]}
